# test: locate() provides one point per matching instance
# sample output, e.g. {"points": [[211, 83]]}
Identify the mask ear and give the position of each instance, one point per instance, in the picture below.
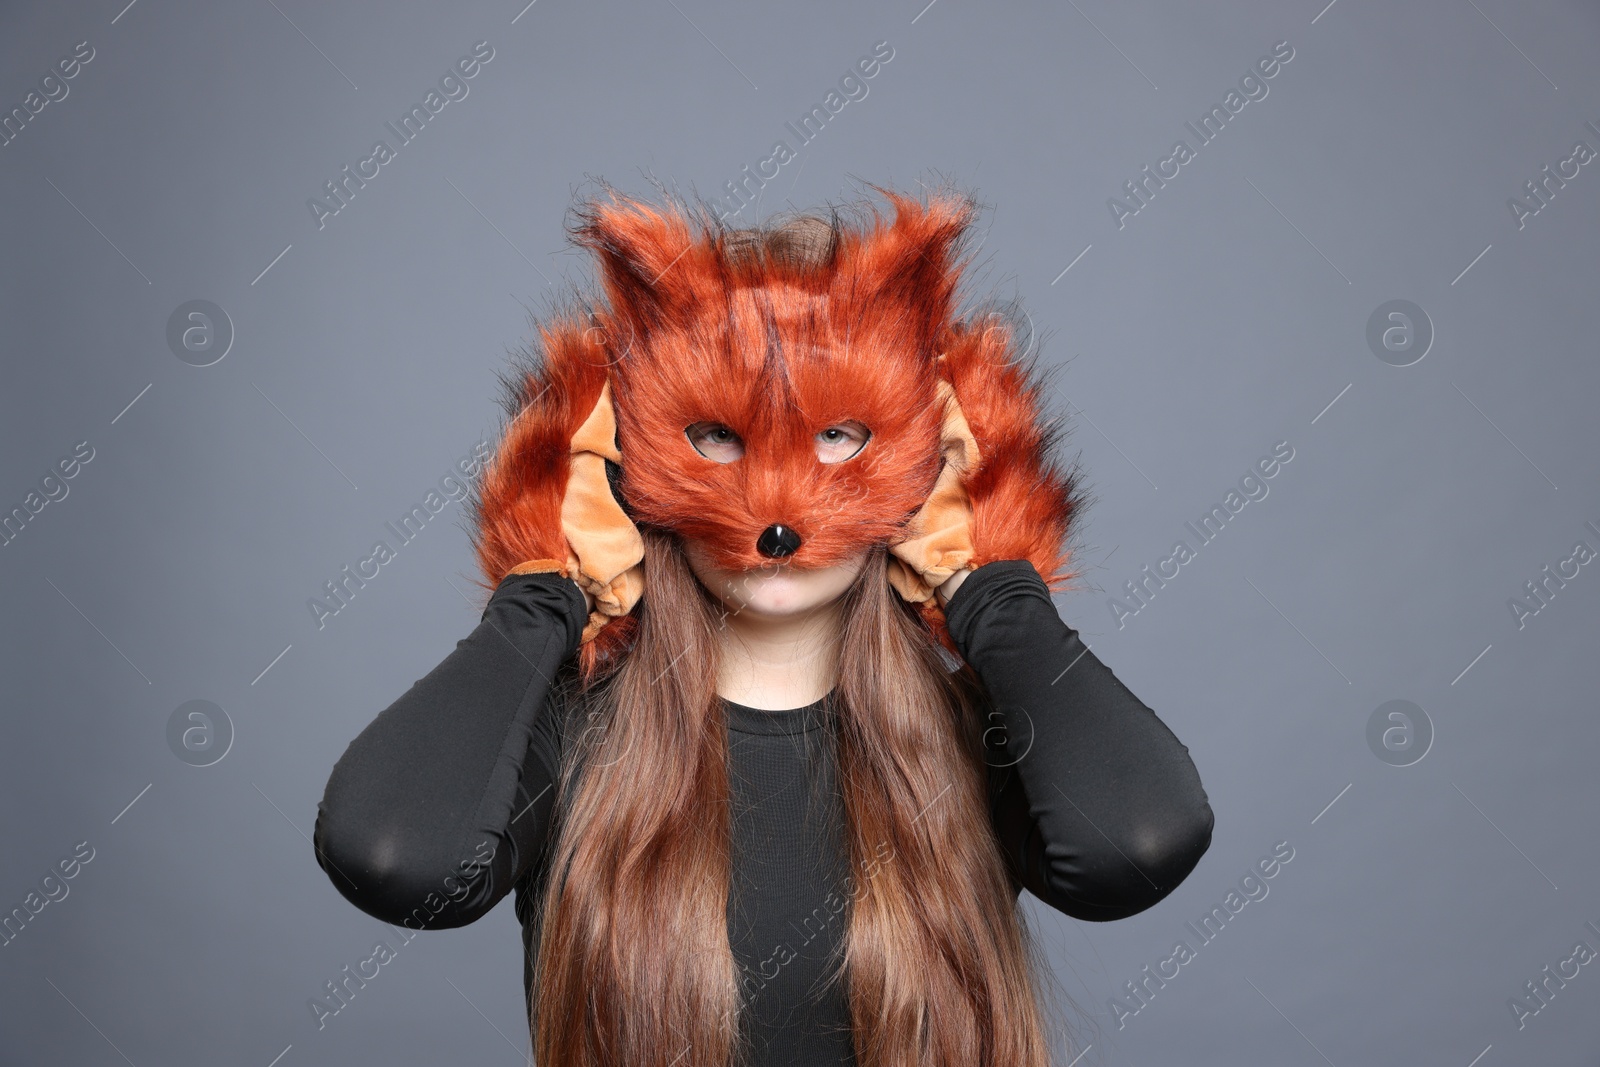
{"points": [[545, 504], [938, 539], [636, 245], [1022, 501], [604, 550]]}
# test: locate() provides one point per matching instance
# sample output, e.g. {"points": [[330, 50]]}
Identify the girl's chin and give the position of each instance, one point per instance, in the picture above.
{"points": [[766, 590], [783, 590]]}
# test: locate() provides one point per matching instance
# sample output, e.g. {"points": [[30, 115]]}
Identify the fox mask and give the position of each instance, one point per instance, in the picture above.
{"points": [[791, 395]]}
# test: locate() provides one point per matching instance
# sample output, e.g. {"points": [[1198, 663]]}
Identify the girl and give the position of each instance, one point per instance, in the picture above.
{"points": [[770, 716]]}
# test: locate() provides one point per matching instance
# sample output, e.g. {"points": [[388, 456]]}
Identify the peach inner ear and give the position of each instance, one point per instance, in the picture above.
{"points": [[959, 447], [604, 550], [938, 538], [607, 547]]}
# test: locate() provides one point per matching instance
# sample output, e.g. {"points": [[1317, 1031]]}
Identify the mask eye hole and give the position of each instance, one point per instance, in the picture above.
{"points": [[842, 441], [715, 441]]}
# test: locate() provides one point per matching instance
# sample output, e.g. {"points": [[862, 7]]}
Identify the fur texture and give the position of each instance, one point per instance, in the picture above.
{"points": [[779, 335], [776, 334]]}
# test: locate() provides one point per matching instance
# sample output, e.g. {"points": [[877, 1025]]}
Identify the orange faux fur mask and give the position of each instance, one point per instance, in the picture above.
{"points": [[774, 337]]}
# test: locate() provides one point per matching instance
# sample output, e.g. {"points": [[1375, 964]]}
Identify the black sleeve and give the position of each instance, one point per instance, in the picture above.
{"points": [[1099, 808], [441, 805]]}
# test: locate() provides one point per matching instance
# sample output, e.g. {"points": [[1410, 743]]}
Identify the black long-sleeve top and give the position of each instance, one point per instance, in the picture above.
{"points": [[443, 804]]}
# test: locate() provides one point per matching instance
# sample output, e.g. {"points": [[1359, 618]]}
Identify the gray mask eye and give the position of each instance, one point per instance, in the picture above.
{"points": [[715, 441], [842, 441]]}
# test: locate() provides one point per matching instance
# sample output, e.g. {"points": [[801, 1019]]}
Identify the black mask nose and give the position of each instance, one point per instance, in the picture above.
{"points": [[778, 541]]}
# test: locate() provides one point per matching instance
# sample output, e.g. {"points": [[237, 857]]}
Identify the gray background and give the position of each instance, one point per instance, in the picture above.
{"points": [[1228, 315]]}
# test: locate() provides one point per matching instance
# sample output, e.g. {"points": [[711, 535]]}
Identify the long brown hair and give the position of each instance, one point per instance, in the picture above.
{"points": [[773, 331], [634, 964]]}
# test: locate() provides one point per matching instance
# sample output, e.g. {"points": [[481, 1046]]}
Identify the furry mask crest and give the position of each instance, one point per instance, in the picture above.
{"points": [[774, 337]]}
